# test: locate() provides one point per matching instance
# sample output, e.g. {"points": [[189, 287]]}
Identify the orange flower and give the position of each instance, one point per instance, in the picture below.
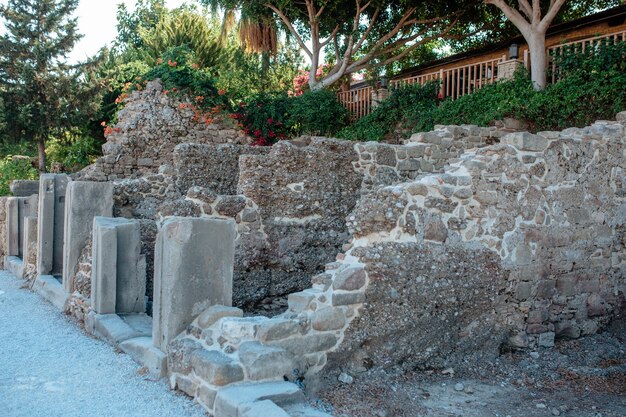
{"points": [[199, 98], [182, 106], [171, 63], [221, 92], [103, 124]]}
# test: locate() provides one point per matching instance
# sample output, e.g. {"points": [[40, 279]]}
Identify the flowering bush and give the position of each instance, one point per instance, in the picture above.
{"points": [[263, 117]]}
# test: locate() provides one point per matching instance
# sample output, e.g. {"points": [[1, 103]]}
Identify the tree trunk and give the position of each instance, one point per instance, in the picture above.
{"points": [[41, 147], [538, 60]]}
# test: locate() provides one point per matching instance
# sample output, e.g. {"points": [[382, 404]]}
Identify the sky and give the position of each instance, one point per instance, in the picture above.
{"points": [[96, 21]]}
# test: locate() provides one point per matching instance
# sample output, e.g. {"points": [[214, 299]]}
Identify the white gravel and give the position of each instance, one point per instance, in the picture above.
{"points": [[50, 368]]}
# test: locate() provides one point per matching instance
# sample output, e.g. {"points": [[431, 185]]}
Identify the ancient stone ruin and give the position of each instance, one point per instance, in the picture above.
{"points": [[239, 272]]}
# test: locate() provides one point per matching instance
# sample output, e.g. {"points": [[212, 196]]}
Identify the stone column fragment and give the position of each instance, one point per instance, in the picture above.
{"points": [[118, 269], [193, 270], [30, 240], [85, 200], [13, 226], [50, 221]]}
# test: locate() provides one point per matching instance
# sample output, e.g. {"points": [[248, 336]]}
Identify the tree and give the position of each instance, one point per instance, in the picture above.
{"points": [[360, 33], [533, 18], [43, 92], [185, 27]]}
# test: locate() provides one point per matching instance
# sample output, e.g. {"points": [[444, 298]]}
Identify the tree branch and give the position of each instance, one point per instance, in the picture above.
{"points": [[293, 31]]}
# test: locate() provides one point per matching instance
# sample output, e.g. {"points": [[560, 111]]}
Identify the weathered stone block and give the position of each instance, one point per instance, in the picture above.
{"points": [[348, 298], [265, 362], [350, 279], [215, 367], [24, 188], [193, 270], [206, 396], [307, 344], [277, 329], [546, 339], [85, 200], [525, 141], [216, 312], [299, 301], [118, 269], [179, 354], [50, 223], [231, 399], [328, 318]]}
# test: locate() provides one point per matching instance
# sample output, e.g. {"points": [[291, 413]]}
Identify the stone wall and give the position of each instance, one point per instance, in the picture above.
{"points": [[515, 244], [384, 164], [149, 126]]}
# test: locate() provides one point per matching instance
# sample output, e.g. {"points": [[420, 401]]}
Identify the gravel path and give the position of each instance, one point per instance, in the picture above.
{"points": [[50, 368]]}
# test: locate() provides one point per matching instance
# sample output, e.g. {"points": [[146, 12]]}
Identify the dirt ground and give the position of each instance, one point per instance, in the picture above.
{"points": [[576, 378]]}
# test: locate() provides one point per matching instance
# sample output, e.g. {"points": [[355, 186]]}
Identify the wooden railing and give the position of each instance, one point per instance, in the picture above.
{"points": [[459, 81], [455, 82], [586, 45], [357, 101]]}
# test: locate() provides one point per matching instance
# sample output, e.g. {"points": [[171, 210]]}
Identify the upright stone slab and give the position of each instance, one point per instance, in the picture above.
{"points": [[27, 208], [193, 270], [24, 188], [118, 269], [29, 243], [85, 200], [13, 227], [50, 222]]}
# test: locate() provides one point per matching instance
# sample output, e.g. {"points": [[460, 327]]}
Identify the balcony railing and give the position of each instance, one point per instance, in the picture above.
{"points": [[466, 79]]}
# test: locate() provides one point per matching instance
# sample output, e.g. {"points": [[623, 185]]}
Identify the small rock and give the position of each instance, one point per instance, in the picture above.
{"points": [[469, 390], [459, 386], [448, 371], [556, 412], [534, 355], [345, 378], [540, 405]]}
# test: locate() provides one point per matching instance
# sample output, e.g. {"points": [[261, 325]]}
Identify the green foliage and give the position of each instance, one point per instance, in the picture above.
{"points": [[181, 76], [272, 117], [184, 27], [73, 152], [593, 86], [317, 113], [15, 168], [250, 74], [264, 117], [43, 93], [407, 106], [145, 16], [490, 103]]}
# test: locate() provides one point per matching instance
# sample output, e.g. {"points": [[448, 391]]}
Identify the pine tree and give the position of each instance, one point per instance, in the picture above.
{"points": [[42, 93]]}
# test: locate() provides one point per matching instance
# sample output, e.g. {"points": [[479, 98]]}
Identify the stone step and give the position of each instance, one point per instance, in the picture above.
{"points": [[142, 350], [110, 328], [238, 399], [51, 289]]}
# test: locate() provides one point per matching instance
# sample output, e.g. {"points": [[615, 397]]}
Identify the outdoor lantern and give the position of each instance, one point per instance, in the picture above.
{"points": [[514, 51], [384, 82]]}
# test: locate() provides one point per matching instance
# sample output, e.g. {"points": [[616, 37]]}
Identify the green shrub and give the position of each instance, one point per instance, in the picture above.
{"points": [[592, 86], [72, 154], [316, 113], [16, 167], [264, 117], [269, 118], [407, 106]]}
